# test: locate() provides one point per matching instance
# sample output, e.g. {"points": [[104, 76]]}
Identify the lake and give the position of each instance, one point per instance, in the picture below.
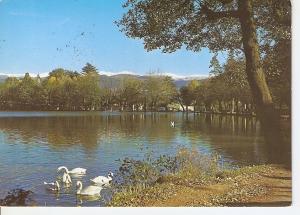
{"points": [[34, 144]]}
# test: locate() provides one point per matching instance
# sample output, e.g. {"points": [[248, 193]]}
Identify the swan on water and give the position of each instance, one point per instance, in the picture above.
{"points": [[78, 170], [66, 179], [89, 190], [54, 186], [172, 124], [102, 180]]}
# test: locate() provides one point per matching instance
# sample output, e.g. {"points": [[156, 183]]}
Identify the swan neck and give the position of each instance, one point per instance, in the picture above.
{"points": [[57, 185], [79, 188], [64, 168]]}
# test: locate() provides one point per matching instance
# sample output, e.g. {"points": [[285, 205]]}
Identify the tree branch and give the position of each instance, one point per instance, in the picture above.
{"points": [[213, 15]]}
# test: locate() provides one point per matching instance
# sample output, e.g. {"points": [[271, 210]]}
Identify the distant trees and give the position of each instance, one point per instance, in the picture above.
{"points": [[26, 92], [129, 95], [61, 90], [68, 90], [225, 91], [154, 92], [187, 95], [159, 91]]}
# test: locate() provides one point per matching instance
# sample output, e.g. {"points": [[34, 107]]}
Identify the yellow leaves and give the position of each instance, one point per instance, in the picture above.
{"points": [[52, 80], [193, 84]]}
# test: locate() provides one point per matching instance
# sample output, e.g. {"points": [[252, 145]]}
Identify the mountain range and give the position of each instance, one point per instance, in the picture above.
{"points": [[113, 80]]}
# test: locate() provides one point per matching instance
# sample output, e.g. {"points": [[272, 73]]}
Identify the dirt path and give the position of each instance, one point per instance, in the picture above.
{"points": [[277, 185]]}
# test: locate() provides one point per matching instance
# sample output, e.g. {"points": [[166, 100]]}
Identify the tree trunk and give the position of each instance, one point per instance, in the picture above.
{"points": [[220, 105], [182, 106], [232, 106], [255, 75], [237, 106]]}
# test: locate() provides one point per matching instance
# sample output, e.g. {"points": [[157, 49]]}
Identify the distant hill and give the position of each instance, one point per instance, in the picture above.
{"points": [[112, 81], [3, 78]]}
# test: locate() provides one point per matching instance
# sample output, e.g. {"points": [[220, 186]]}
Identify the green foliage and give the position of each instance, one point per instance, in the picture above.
{"points": [[172, 24], [253, 27], [130, 93], [135, 175], [61, 90], [159, 91], [215, 66], [186, 96], [158, 176], [89, 69], [277, 64], [187, 171]]}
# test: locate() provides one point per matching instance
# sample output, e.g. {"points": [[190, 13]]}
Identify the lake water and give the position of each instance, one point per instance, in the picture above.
{"points": [[34, 144]]}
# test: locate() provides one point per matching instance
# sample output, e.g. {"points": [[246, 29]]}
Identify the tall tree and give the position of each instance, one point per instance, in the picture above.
{"points": [[215, 67], [89, 69], [216, 24], [89, 87]]}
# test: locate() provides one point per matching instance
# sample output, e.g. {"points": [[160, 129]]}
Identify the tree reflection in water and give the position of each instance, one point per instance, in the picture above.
{"points": [[239, 138]]}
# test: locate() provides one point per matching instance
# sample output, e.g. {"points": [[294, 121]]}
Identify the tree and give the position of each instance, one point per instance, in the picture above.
{"points": [[9, 92], [277, 64], [186, 97], [89, 87], [216, 24], [235, 79], [159, 91], [130, 93], [89, 69], [187, 94], [215, 66]]}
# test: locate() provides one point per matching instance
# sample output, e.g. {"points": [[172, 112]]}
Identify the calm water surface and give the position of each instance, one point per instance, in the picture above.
{"points": [[34, 144]]}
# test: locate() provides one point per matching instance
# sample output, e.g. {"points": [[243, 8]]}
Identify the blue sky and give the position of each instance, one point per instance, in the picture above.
{"points": [[40, 35]]}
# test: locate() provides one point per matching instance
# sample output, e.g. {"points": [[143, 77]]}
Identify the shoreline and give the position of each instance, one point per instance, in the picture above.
{"points": [[262, 186], [282, 116]]}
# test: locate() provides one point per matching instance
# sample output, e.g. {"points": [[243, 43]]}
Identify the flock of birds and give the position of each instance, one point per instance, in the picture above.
{"points": [[92, 190]]}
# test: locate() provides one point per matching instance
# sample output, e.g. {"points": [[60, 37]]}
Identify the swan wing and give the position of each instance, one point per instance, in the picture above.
{"points": [[91, 190], [100, 180], [78, 170], [51, 186], [49, 183]]}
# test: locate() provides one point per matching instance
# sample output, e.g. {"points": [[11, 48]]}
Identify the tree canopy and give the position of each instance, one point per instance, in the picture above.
{"points": [[194, 24]]}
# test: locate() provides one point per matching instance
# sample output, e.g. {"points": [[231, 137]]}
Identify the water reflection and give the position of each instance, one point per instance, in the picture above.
{"points": [[238, 137], [34, 145]]}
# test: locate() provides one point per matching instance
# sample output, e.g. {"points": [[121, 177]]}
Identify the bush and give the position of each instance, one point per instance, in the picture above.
{"points": [[17, 197], [141, 176]]}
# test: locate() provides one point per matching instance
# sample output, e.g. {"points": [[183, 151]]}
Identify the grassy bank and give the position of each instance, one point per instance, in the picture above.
{"points": [[192, 179]]}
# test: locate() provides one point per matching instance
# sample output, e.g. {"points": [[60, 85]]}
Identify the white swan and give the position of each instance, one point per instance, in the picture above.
{"points": [[66, 179], [78, 170], [89, 190], [172, 124], [54, 186], [102, 180]]}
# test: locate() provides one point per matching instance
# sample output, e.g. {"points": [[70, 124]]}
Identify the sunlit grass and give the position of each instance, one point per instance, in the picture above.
{"points": [[144, 182]]}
